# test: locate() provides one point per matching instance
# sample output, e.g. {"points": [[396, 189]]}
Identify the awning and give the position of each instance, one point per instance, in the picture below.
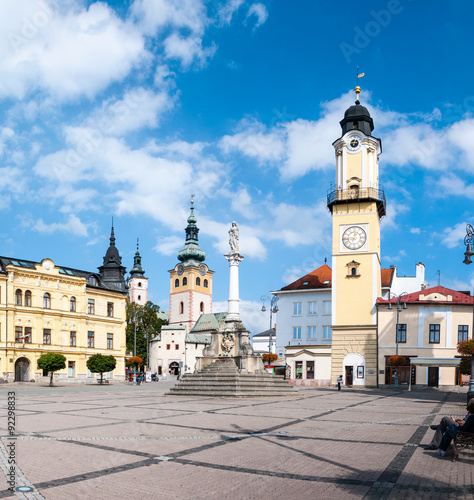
{"points": [[453, 362]]}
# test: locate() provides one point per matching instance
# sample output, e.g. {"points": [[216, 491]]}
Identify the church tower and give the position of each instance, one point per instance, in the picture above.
{"points": [[190, 280], [112, 272], [137, 283], [357, 206]]}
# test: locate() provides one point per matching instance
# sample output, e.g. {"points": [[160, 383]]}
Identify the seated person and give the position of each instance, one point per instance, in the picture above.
{"points": [[467, 426], [441, 429]]}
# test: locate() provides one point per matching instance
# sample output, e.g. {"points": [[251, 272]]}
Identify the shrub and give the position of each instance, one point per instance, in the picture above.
{"points": [[466, 347]]}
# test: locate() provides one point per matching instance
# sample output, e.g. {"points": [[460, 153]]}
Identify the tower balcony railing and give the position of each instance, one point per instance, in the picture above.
{"points": [[340, 196]]}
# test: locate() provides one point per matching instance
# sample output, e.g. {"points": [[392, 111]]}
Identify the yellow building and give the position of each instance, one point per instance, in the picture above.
{"points": [[48, 308], [431, 323], [357, 206]]}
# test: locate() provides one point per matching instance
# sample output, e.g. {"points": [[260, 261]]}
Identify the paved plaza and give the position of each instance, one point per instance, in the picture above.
{"points": [[124, 442]]}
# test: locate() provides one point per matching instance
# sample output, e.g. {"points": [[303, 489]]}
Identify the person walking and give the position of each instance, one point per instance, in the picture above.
{"points": [[340, 382]]}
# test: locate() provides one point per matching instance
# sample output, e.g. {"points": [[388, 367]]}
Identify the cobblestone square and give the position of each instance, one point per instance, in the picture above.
{"points": [[119, 442]]}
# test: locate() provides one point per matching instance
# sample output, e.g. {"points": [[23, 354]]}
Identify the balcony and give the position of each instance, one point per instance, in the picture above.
{"points": [[340, 196]]}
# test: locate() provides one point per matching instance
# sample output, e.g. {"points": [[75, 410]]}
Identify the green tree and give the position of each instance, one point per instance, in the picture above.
{"points": [[99, 363], [147, 323], [52, 362]]}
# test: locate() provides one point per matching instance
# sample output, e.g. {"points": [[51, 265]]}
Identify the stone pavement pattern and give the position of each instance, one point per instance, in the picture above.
{"points": [[121, 442]]}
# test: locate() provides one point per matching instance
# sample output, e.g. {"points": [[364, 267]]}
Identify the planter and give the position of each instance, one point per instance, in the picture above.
{"points": [[466, 347], [397, 361]]}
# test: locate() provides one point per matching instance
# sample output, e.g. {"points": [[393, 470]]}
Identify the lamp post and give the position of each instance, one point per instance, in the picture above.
{"points": [[469, 241], [273, 310], [135, 348], [400, 298]]}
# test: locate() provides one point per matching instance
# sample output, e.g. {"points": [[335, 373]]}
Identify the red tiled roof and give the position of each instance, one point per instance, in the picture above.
{"points": [[317, 278], [412, 298]]}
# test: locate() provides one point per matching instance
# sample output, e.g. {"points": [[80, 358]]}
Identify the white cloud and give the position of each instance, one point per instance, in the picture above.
{"points": [[251, 314], [260, 11], [169, 245], [188, 49], [451, 184], [415, 230], [72, 226], [227, 10], [452, 236]]}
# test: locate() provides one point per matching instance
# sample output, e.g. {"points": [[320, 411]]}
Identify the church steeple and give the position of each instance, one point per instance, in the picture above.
{"points": [[112, 272], [191, 253], [137, 270]]}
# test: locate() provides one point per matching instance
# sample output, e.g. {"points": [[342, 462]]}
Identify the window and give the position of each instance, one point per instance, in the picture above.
{"points": [[206, 284], [299, 369], [312, 307], [28, 298], [198, 281], [176, 346], [402, 333], [90, 339], [327, 307], [296, 308], [168, 347], [47, 336], [18, 333], [185, 281], [201, 307], [327, 332], [93, 281], [434, 334], [46, 301], [176, 282], [296, 332], [90, 306], [18, 296], [463, 333], [72, 339], [72, 304], [310, 369], [311, 332], [110, 309], [110, 341], [181, 308], [28, 334], [140, 284]]}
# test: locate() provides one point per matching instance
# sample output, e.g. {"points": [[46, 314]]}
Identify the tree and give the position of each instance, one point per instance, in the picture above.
{"points": [[146, 321], [99, 363], [52, 362]]}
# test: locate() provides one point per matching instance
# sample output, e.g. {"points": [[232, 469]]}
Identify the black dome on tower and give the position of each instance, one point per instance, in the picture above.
{"points": [[357, 117]]}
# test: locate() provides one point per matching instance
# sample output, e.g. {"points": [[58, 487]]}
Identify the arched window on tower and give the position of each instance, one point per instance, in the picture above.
{"points": [[206, 284], [28, 298], [181, 308], [18, 296], [185, 281], [354, 271], [201, 307], [139, 297], [139, 283], [198, 281], [176, 282], [355, 125]]}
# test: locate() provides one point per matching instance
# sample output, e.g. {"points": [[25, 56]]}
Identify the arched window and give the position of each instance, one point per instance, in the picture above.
{"points": [[46, 301], [185, 281], [72, 304], [139, 297], [28, 298], [198, 281], [181, 308], [18, 295], [176, 282], [140, 284], [354, 271], [201, 307], [206, 284], [93, 281]]}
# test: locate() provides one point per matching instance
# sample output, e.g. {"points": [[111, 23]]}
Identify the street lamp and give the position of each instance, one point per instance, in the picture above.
{"points": [[135, 349], [469, 241], [400, 298], [265, 299]]}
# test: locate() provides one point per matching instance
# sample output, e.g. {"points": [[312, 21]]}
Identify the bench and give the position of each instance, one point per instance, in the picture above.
{"points": [[462, 441], [103, 381]]}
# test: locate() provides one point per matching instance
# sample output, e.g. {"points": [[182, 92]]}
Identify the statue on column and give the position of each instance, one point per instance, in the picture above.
{"points": [[234, 238]]}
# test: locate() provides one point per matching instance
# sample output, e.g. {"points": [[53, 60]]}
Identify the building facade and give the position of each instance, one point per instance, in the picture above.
{"points": [[49, 308], [431, 322]]}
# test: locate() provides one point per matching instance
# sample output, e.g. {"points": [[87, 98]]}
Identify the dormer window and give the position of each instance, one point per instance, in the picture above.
{"points": [[93, 281], [305, 283], [355, 126]]}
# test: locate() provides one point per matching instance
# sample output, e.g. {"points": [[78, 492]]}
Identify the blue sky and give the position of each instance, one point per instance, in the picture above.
{"points": [[125, 109]]}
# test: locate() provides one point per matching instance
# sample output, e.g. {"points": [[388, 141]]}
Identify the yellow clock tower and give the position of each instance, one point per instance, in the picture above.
{"points": [[357, 206]]}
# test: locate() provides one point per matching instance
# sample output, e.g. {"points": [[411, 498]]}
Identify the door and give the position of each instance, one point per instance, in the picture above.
{"points": [[433, 376], [22, 370], [349, 375]]}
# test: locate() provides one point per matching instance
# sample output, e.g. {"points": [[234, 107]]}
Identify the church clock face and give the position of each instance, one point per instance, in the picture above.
{"points": [[354, 143], [202, 269], [180, 269], [354, 237]]}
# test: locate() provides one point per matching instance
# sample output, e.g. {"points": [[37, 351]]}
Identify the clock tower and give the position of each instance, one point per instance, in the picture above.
{"points": [[357, 206], [190, 280]]}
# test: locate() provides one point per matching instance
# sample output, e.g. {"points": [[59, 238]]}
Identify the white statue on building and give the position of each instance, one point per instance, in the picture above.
{"points": [[234, 238]]}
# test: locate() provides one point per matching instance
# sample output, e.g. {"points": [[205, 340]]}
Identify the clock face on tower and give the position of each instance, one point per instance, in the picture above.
{"points": [[202, 269], [180, 269], [354, 237], [353, 143]]}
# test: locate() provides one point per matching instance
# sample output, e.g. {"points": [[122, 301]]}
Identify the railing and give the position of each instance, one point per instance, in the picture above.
{"points": [[354, 194]]}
